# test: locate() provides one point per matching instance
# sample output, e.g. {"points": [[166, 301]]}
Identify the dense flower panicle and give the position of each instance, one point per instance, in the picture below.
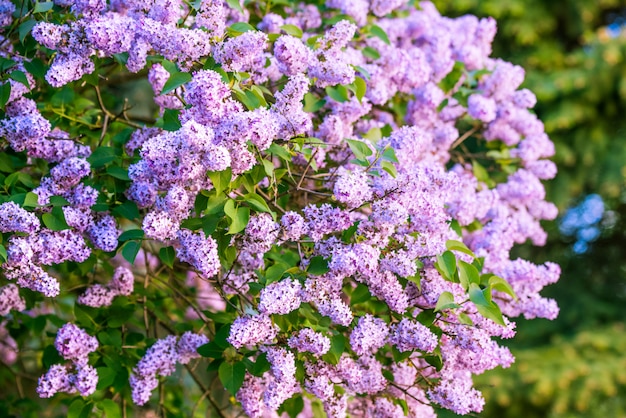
{"points": [[104, 233], [352, 189], [310, 341], [8, 346], [75, 344], [243, 53], [10, 299], [199, 251], [325, 219], [85, 380], [368, 335], [410, 335], [293, 226], [15, 219], [188, 344], [96, 296], [250, 395], [292, 55], [122, 281], [252, 330], [99, 295], [56, 379], [160, 359], [284, 383], [275, 110], [280, 297], [261, 233]]}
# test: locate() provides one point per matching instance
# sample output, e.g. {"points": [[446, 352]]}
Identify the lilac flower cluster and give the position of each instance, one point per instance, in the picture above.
{"points": [[98, 295], [73, 344], [312, 174], [160, 360]]}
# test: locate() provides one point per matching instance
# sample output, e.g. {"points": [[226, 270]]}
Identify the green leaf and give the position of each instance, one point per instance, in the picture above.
{"points": [[25, 28], [370, 53], [501, 285], [170, 121], [257, 202], [468, 274], [118, 172], [337, 345], [485, 307], [127, 210], [359, 148], [446, 301], [43, 7], [361, 88], [167, 256], [446, 266], [312, 104], [339, 93], [3, 254], [454, 245], [238, 28], [36, 67], [268, 167], [220, 180], [131, 234], [101, 156], [239, 216], [211, 350], [234, 4], [260, 366], [453, 77], [31, 200], [389, 168], [175, 81], [111, 408], [20, 77], [280, 152], [130, 250], [318, 266], [292, 406], [5, 93], [480, 173], [78, 409], [292, 30], [106, 377], [389, 154], [232, 375], [55, 220], [378, 32], [275, 272]]}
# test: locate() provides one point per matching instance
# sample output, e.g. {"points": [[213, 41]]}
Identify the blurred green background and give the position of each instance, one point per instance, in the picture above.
{"points": [[574, 53]]}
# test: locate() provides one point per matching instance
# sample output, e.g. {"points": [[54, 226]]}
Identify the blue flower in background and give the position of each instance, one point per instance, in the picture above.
{"points": [[583, 221]]}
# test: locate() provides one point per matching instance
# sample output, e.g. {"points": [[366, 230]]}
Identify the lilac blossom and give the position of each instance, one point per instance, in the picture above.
{"points": [[280, 297]]}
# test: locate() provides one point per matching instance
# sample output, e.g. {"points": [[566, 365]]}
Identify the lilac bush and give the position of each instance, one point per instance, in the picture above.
{"points": [[321, 202]]}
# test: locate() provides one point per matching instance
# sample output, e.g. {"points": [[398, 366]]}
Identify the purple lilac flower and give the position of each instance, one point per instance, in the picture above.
{"points": [[251, 330], [293, 226], [352, 189], [199, 251], [10, 299], [292, 55], [15, 219], [56, 379], [187, 346], [368, 335], [308, 340], [280, 297], [409, 334], [74, 344], [243, 53]]}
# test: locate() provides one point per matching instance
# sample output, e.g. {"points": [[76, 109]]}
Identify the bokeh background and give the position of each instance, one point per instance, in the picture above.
{"points": [[574, 53]]}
